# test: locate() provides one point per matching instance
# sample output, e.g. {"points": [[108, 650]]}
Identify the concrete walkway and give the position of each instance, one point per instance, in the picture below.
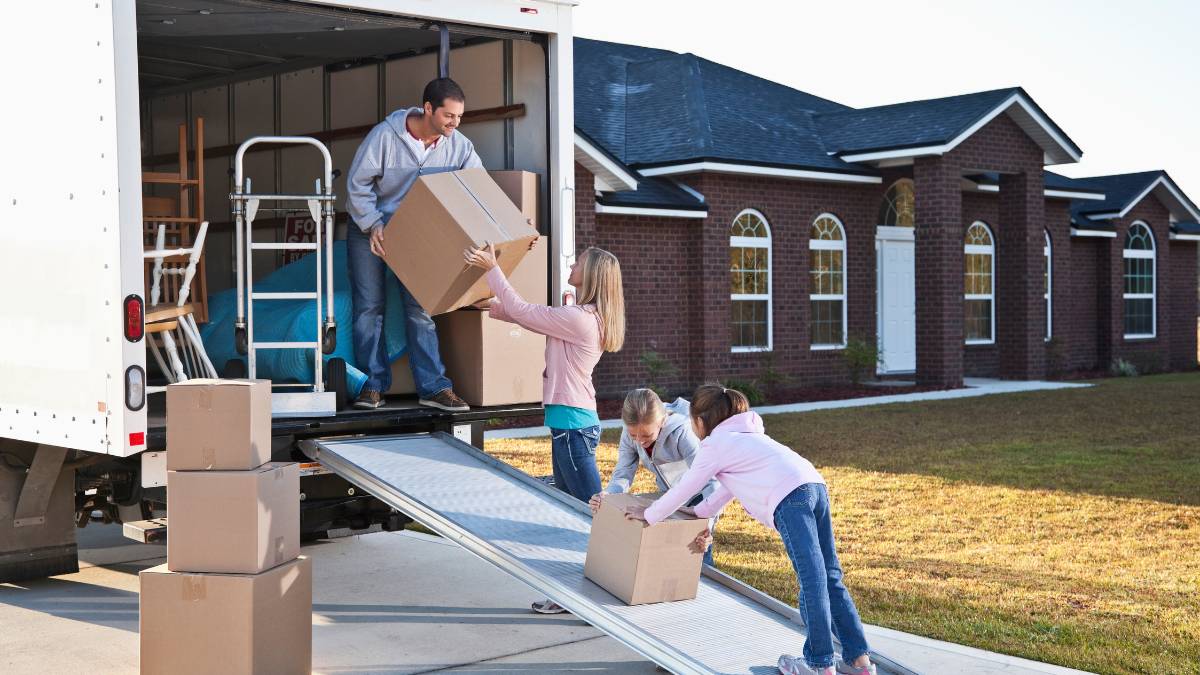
{"points": [[382, 603], [974, 387]]}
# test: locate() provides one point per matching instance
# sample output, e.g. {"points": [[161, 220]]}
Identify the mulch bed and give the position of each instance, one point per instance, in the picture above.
{"points": [[610, 408]]}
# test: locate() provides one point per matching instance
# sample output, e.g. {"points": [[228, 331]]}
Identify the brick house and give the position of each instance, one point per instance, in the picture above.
{"points": [[760, 227]]}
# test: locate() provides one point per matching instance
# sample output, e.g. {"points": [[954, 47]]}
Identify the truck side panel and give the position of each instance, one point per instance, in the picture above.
{"points": [[62, 347]]}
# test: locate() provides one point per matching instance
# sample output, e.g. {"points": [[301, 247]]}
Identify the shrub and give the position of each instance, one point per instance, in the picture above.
{"points": [[861, 356], [754, 393], [1123, 368], [771, 377], [658, 368]]}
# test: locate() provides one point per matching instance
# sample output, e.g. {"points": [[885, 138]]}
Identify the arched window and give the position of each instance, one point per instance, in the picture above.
{"points": [[827, 283], [898, 208], [1048, 286], [750, 272], [1139, 254], [979, 301]]}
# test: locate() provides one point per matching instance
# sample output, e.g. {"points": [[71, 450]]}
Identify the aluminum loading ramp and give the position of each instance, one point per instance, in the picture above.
{"points": [[539, 535]]}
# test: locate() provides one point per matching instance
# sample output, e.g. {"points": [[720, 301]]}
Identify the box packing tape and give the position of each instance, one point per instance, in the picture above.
{"points": [[486, 212], [194, 588]]}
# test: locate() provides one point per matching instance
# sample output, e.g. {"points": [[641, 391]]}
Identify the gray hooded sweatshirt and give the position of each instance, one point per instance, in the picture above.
{"points": [[673, 453], [385, 168]]}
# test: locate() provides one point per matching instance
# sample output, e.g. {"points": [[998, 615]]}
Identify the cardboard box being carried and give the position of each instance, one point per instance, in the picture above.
{"points": [[227, 623], [491, 362], [218, 425], [238, 522], [641, 564], [531, 279], [443, 214]]}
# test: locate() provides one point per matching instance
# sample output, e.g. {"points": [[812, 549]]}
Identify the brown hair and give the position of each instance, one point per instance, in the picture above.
{"points": [[713, 404], [642, 406]]}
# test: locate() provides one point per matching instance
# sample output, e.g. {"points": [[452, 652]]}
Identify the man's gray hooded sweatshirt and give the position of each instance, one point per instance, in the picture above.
{"points": [[385, 168], [669, 458]]}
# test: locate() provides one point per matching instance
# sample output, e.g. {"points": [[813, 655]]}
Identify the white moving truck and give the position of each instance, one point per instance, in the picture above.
{"points": [[98, 89]]}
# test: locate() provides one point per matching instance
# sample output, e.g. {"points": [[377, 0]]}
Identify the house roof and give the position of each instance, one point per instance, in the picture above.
{"points": [[656, 193], [1187, 227], [1125, 190]]}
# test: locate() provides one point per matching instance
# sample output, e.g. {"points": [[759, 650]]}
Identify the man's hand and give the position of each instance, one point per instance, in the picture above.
{"points": [[534, 241], [595, 501], [483, 257], [701, 543], [635, 512], [377, 241]]}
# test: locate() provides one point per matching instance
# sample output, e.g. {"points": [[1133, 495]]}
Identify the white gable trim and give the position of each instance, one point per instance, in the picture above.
{"points": [[646, 211], [756, 170], [1160, 181], [1185, 237], [1061, 152], [1103, 234], [610, 176]]}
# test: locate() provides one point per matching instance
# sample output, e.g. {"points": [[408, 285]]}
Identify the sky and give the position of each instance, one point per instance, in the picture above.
{"points": [[1122, 78]]}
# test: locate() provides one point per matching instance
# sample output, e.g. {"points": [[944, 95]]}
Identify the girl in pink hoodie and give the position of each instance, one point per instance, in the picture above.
{"points": [[783, 491], [576, 336]]}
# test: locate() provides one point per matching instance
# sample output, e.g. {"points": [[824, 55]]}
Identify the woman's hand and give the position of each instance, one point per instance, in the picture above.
{"points": [[635, 512], [701, 543], [595, 501], [482, 257]]}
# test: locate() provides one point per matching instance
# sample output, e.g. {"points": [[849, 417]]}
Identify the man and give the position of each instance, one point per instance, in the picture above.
{"points": [[408, 144]]}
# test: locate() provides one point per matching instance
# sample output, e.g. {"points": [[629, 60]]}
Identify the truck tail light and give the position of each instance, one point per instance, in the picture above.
{"points": [[135, 318], [135, 388]]}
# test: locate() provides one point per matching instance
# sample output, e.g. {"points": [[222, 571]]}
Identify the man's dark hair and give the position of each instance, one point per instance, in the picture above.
{"points": [[437, 91]]}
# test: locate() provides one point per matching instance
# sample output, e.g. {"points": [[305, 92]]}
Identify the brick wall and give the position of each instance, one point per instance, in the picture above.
{"points": [[1150, 354], [1183, 305]]}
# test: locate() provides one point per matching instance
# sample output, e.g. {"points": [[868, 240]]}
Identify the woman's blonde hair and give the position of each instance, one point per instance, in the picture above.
{"points": [[642, 406], [601, 286]]}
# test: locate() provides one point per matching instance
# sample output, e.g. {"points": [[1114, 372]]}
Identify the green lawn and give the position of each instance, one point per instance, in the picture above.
{"points": [[1060, 526]]}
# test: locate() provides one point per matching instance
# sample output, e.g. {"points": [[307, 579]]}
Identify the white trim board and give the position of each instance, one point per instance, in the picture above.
{"points": [[648, 211], [756, 170], [1185, 237], [1103, 234], [607, 172], [1050, 192], [1066, 153]]}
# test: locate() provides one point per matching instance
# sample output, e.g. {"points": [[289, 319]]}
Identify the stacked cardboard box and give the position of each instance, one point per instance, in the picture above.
{"points": [[235, 596], [641, 564]]}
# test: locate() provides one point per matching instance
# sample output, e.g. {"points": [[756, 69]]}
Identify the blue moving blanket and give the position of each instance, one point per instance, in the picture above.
{"points": [[295, 321]]}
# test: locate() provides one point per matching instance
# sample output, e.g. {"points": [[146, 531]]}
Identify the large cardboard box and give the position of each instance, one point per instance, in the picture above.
{"points": [[522, 188], [531, 279], [227, 623], [641, 564], [236, 522], [218, 425], [441, 216], [491, 362]]}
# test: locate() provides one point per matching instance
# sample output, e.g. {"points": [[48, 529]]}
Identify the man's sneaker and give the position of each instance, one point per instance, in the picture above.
{"points": [[848, 669], [446, 399], [794, 665], [369, 399], [547, 607]]}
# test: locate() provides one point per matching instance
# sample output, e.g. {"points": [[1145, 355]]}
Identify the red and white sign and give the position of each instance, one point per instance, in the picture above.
{"points": [[298, 228]]}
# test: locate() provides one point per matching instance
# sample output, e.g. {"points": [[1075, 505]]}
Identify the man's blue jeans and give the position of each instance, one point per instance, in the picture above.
{"points": [[803, 521], [573, 457], [368, 290]]}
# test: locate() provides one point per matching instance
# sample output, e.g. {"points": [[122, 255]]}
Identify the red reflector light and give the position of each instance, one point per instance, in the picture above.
{"points": [[529, 10], [137, 438], [135, 320]]}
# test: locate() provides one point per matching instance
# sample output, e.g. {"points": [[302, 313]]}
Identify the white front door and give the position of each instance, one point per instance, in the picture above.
{"points": [[897, 296]]}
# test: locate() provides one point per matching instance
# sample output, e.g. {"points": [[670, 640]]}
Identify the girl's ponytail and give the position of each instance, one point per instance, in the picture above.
{"points": [[713, 404]]}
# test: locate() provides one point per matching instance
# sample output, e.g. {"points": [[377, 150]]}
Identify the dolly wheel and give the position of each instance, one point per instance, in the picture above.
{"points": [[335, 381]]}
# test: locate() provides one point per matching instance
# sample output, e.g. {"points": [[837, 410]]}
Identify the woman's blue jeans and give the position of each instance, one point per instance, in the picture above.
{"points": [[573, 455]]}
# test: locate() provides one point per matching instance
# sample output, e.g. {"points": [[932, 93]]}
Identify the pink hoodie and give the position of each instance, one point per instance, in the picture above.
{"points": [[572, 342], [749, 465]]}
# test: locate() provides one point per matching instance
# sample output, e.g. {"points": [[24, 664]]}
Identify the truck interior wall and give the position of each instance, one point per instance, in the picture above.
{"points": [[320, 99]]}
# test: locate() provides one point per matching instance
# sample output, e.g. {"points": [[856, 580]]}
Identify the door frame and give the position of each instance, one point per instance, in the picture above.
{"points": [[884, 233]]}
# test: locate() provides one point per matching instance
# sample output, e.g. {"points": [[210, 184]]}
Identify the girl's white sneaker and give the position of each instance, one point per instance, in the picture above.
{"points": [[848, 669], [794, 665]]}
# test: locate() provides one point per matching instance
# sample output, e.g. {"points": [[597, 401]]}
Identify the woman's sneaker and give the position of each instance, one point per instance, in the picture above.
{"points": [[794, 665], [547, 607], [847, 669]]}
